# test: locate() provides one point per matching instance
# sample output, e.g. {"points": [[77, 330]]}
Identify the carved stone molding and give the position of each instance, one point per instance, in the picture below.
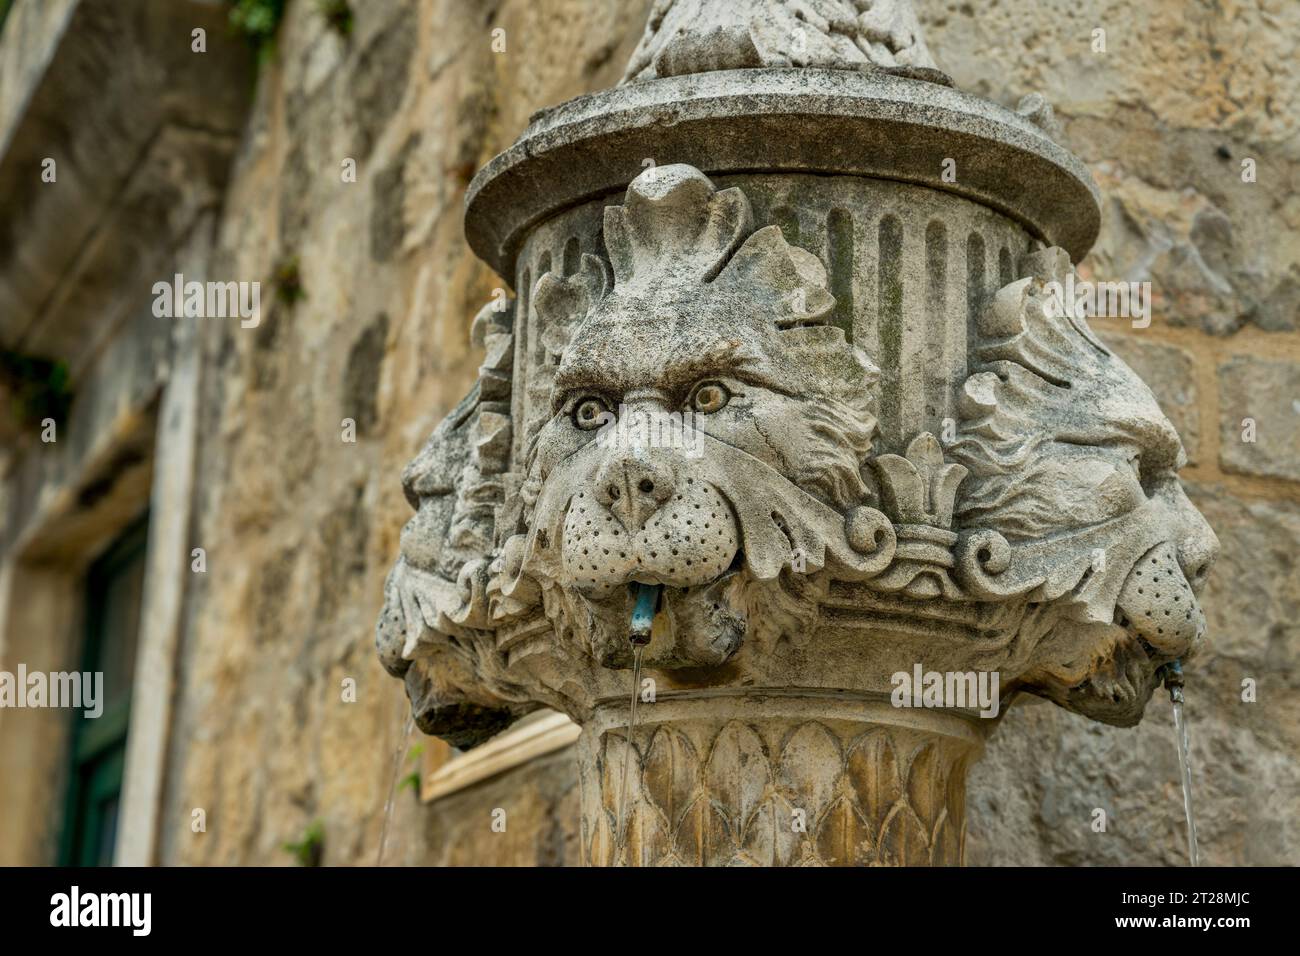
{"points": [[886, 128], [833, 418], [789, 779], [698, 36]]}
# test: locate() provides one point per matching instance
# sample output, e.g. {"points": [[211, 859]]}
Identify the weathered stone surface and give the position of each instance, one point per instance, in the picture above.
{"points": [[730, 786], [388, 225], [1254, 604], [69, 95], [262, 739], [1171, 374], [695, 36], [540, 804], [361, 376], [381, 75], [1033, 795], [1167, 154], [878, 125], [1260, 417]]}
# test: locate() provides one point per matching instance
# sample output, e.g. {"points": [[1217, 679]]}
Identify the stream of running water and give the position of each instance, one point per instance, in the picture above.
{"points": [[629, 752], [408, 723], [1185, 765]]}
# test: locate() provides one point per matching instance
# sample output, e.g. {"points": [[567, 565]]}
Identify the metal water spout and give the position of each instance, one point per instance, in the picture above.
{"points": [[1173, 680], [643, 613]]}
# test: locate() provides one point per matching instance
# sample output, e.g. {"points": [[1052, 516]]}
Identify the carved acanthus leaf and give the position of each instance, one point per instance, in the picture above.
{"points": [[920, 488], [698, 36]]}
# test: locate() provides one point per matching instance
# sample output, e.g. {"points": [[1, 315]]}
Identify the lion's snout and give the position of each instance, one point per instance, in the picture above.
{"points": [[643, 520], [633, 487], [1158, 605]]}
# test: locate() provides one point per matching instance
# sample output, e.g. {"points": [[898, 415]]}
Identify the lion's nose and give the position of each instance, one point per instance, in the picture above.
{"points": [[1198, 545], [633, 487], [1197, 553]]}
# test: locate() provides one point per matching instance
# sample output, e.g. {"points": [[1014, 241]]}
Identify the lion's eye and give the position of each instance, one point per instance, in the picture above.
{"points": [[589, 412], [708, 397]]}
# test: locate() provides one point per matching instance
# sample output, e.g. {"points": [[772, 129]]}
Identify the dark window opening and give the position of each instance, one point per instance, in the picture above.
{"points": [[113, 590]]}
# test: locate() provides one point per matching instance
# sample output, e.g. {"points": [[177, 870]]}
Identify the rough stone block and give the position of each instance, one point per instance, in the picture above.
{"points": [[1260, 400], [1033, 794]]}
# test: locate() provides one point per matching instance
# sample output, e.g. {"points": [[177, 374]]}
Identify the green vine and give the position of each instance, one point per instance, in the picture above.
{"points": [[412, 779], [286, 278], [257, 21], [337, 14], [38, 388], [309, 850]]}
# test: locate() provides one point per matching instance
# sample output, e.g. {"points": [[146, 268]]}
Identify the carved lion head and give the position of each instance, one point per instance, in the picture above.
{"points": [[707, 425], [1073, 504]]}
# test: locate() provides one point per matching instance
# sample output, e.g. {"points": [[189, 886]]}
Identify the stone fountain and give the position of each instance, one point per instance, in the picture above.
{"points": [[788, 353]]}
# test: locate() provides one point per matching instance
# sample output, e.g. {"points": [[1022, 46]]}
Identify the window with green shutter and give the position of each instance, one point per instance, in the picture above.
{"points": [[114, 585]]}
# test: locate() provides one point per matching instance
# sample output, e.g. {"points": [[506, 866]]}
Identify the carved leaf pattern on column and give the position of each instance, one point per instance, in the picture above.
{"points": [[728, 796]]}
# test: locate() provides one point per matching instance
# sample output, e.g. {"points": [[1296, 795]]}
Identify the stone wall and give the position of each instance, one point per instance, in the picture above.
{"points": [[1164, 119], [300, 526]]}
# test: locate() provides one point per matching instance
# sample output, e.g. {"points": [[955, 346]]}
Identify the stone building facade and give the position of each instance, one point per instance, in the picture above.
{"points": [[257, 698]]}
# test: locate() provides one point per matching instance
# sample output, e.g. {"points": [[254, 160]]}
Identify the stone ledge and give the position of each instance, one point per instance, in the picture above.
{"points": [[528, 739], [861, 124]]}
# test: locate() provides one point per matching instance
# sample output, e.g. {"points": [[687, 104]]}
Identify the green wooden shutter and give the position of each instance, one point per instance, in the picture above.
{"points": [[114, 586]]}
